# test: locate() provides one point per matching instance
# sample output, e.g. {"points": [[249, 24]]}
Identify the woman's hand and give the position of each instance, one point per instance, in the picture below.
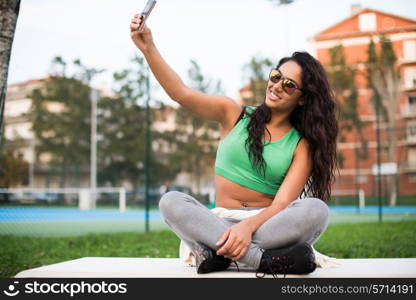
{"points": [[142, 39], [235, 241]]}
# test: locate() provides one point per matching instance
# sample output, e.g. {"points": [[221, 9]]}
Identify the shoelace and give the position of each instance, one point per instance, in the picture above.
{"points": [[275, 264], [238, 269]]}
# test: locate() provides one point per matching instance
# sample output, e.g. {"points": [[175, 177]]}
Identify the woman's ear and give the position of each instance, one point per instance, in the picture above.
{"points": [[301, 101]]}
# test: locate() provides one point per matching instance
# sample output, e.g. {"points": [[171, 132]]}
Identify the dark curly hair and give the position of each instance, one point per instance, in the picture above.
{"points": [[316, 121]]}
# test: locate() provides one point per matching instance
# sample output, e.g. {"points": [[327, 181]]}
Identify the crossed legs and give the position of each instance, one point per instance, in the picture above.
{"points": [[303, 220]]}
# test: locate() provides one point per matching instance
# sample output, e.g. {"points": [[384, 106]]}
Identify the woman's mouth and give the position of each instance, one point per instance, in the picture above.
{"points": [[273, 96]]}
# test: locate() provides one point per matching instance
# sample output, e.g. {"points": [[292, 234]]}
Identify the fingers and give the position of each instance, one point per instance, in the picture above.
{"points": [[229, 241], [133, 27], [227, 249], [135, 22], [234, 245], [233, 249], [223, 238], [239, 253]]}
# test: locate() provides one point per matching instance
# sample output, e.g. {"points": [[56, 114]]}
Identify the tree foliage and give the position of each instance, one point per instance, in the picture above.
{"points": [[194, 137], [61, 118], [257, 71], [14, 169], [122, 125], [343, 81], [383, 79]]}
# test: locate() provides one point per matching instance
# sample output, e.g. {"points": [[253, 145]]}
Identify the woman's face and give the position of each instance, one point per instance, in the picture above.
{"points": [[276, 97]]}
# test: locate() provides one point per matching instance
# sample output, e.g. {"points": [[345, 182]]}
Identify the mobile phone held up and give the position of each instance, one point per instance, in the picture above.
{"points": [[146, 12]]}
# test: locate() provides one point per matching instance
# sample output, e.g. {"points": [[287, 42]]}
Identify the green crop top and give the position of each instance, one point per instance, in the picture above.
{"points": [[233, 163]]}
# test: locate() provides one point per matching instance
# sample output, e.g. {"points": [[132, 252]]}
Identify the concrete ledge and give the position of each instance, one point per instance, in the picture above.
{"points": [[117, 267]]}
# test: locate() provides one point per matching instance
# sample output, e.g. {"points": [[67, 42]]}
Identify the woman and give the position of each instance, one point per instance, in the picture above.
{"points": [[266, 156]]}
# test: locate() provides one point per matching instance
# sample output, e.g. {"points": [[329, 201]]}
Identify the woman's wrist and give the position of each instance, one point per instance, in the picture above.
{"points": [[151, 48], [250, 224]]}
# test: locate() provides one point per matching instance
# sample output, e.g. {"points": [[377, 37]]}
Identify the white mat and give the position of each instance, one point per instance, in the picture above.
{"points": [[117, 267]]}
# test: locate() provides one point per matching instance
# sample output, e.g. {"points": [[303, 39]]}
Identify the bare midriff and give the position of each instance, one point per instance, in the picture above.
{"points": [[233, 195]]}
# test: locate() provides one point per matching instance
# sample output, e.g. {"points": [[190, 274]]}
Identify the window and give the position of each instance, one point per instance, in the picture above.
{"points": [[411, 156], [362, 179], [411, 104], [409, 50], [409, 78], [412, 178], [367, 22], [411, 132]]}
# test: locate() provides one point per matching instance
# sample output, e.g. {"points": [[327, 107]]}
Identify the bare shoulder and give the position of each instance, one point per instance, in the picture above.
{"points": [[303, 148]]}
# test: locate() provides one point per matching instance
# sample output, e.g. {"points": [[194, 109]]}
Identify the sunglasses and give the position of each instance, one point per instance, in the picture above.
{"points": [[288, 85]]}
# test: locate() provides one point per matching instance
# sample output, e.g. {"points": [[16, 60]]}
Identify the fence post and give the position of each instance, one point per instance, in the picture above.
{"points": [[84, 199], [361, 197], [122, 200]]}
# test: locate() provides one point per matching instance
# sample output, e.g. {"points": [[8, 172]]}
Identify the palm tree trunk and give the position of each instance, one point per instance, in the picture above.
{"points": [[9, 11], [392, 102]]}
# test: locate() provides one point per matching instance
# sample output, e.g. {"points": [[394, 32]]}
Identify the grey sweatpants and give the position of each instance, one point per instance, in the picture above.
{"points": [[303, 220]]}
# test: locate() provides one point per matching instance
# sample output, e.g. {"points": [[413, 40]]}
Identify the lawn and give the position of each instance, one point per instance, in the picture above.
{"points": [[359, 240]]}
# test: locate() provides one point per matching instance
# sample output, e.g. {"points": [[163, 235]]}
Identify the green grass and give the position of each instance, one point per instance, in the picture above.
{"points": [[360, 240], [369, 240], [19, 253]]}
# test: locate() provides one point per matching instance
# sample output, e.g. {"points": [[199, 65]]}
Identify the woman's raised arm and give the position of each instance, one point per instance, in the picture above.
{"points": [[210, 107]]}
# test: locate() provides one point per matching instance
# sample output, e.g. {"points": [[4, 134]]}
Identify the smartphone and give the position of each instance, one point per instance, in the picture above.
{"points": [[146, 12]]}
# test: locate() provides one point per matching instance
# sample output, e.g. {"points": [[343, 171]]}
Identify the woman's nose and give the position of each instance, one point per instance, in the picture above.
{"points": [[278, 86]]}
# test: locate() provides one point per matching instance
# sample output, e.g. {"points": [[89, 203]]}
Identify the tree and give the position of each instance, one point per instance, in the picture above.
{"points": [[121, 151], [383, 79], [9, 11], [257, 71], [342, 77], [121, 125], [13, 167], [64, 131], [194, 136]]}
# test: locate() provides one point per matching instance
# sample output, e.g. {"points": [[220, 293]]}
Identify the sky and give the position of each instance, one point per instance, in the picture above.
{"points": [[221, 35]]}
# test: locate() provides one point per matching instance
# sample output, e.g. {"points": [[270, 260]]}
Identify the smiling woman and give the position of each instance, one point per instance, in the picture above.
{"points": [[267, 156]]}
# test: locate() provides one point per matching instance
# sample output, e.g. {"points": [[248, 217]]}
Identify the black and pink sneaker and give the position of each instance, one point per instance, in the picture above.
{"points": [[296, 259]]}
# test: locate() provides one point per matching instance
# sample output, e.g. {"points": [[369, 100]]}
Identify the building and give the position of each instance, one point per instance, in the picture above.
{"points": [[18, 127], [19, 133], [354, 34]]}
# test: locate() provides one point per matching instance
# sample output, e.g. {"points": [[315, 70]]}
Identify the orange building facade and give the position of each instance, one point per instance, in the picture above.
{"points": [[354, 33]]}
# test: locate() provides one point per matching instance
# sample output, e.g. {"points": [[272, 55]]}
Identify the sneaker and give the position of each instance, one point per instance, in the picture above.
{"points": [[208, 261], [296, 259]]}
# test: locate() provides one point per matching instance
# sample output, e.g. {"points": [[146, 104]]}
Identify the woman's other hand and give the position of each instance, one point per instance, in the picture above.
{"points": [[235, 241]]}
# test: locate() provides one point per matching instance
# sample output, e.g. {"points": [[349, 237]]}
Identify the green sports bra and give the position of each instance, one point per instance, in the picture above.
{"points": [[233, 163]]}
